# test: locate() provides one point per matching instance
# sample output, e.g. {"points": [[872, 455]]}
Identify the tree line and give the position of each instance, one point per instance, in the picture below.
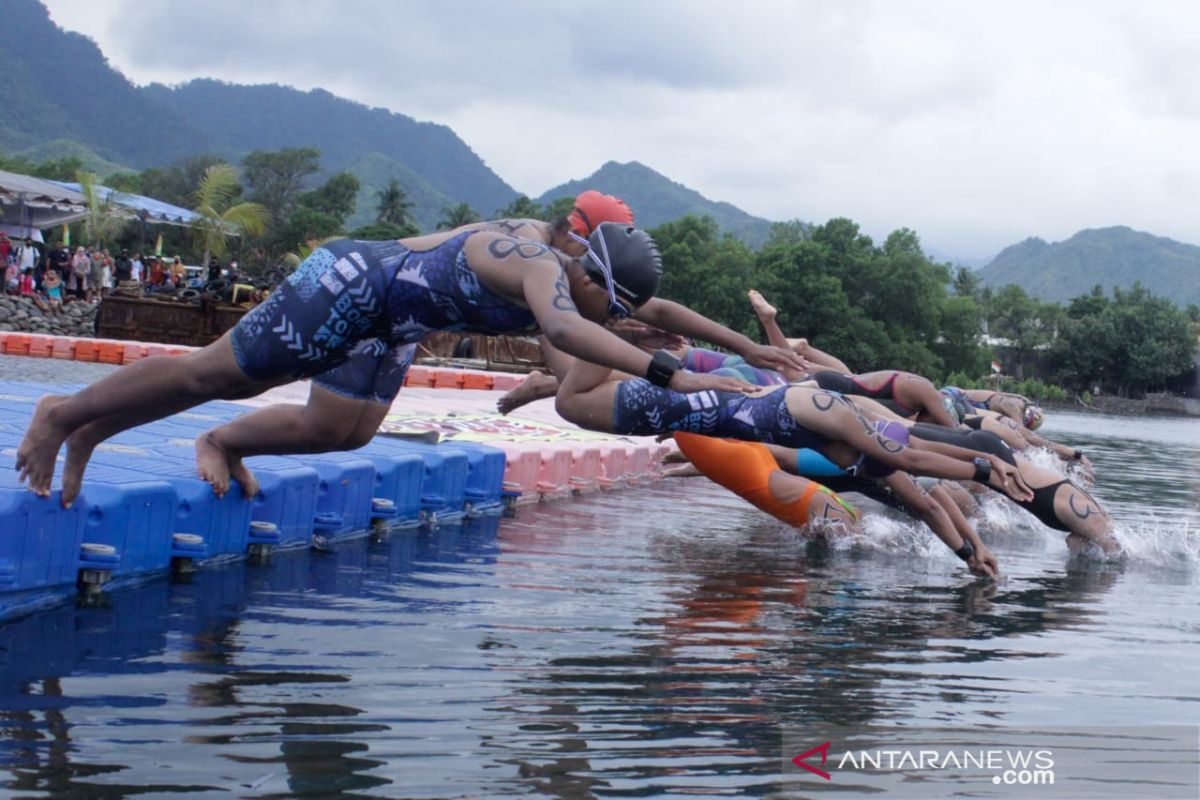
{"points": [[876, 306]]}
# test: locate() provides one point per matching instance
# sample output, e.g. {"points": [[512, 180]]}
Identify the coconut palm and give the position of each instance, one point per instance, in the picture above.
{"points": [[104, 220], [461, 214], [217, 217], [393, 204]]}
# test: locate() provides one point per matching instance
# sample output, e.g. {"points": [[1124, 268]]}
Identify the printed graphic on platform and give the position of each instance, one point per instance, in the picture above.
{"points": [[488, 428]]}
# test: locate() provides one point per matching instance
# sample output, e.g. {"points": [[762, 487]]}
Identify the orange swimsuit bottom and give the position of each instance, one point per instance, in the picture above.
{"points": [[745, 468]]}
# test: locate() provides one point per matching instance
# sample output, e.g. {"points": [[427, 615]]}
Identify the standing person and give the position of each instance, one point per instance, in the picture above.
{"points": [[123, 267], [155, 269], [214, 270], [58, 260], [137, 268], [96, 278], [6, 249], [81, 268], [178, 273], [350, 316], [27, 256]]}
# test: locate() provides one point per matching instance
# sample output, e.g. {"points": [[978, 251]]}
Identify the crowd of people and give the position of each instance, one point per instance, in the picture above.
{"points": [[783, 424], [56, 275]]}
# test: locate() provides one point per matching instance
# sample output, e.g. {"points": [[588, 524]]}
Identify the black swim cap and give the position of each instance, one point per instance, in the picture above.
{"points": [[632, 258]]}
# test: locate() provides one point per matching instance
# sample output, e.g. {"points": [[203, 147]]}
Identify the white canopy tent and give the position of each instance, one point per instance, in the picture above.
{"points": [[28, 204]]}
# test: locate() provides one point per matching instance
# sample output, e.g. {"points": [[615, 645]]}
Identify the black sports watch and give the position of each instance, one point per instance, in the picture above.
{"points": [[1077, 455], [662, 366], [966, 552], [983, 470]]}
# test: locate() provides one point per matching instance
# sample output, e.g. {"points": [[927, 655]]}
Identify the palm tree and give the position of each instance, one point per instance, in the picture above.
{"points": [[393, 205], [217, 219], [461, 214], [103, 221]]}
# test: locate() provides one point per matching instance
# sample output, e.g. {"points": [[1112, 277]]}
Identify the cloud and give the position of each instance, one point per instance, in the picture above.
{"points": [[975, 125]]}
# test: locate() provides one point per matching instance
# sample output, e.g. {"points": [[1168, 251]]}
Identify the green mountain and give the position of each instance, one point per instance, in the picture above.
{"points": [[656, 199], [1117, 256], [58, 85], [57, 149], [238, 119]]}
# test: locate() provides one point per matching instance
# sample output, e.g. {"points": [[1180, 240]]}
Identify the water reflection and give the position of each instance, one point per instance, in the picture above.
{"points": [[194, 626]]}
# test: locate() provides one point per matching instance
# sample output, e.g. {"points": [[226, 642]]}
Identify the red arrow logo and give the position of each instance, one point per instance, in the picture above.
{"points": [[823, 749]]}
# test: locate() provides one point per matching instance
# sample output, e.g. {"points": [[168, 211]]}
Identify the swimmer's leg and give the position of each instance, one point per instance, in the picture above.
{"points": [[146, 390], [329, 421], [917, 393]]}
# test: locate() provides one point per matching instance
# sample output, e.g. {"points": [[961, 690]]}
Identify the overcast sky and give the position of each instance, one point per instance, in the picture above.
{"points": [[974, 124]]}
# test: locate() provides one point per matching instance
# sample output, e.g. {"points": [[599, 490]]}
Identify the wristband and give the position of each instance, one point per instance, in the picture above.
{"points": [[983, 470], [1077, 455], [966, 552], [662, 366]]}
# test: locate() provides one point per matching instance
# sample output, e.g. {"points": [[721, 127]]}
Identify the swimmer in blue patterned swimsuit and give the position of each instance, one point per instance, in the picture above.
{"points": [[350, 316], [792, 416]]}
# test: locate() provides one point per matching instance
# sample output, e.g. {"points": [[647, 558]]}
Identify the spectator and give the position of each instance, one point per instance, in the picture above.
{"points": [[96, 277], [12, 283], [59, 260], [155, 267], [123, 267], [81, 269], [178, 273], [214, 270], [26, 282], [137, 270], [27, 256], [5, 249], [52, 286]]}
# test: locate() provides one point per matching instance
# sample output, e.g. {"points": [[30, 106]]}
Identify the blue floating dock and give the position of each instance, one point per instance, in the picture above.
{"points": [[143, 511]]}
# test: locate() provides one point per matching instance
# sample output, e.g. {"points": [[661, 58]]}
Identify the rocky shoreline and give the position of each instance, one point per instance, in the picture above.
{"points": [[76, 318], [1153, 405]]}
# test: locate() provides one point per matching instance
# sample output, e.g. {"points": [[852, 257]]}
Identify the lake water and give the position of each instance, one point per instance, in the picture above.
{"points": [[650, 642]]}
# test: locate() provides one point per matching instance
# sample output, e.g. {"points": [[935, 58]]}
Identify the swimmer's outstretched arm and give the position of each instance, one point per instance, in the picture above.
{"points": [[672, 317], [958, 534]]}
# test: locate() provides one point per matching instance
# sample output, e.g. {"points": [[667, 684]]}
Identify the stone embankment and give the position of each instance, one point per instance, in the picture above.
{"points": [[73, 319]]}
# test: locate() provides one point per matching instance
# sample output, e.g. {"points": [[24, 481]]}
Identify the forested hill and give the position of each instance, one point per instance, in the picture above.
{"points": [[656, 199], [244, 118], [1116, 256], [57, 85]]}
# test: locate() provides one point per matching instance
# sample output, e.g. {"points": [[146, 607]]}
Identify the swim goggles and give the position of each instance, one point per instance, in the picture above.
{"points": [[615, 307]]}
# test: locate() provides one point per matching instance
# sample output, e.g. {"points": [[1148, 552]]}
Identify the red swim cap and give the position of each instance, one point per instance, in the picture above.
{"points": [[592, 208]]}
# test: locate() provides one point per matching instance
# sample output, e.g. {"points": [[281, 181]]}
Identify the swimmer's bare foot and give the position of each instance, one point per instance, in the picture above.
{"points": [[212, 462], [39, 449], [79, 451], [242, 474], [535, 387], [762, 309]]}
